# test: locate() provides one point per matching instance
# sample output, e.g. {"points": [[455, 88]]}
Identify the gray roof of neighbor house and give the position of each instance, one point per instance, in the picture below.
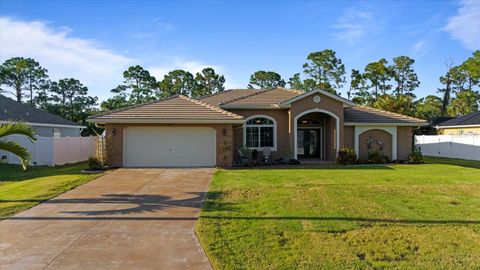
{"points": [[174, 109], [466, 120], [363, 114], [11, 110]]}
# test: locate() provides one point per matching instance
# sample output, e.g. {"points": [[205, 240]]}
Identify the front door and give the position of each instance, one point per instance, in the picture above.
{"points": [[308, 143]]}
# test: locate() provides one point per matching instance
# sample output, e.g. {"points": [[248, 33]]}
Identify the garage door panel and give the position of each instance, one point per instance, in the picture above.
{"points": [[169, 146]]}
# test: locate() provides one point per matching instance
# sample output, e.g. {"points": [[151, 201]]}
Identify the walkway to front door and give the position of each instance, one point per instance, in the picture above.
{"points": [[126, 219]]}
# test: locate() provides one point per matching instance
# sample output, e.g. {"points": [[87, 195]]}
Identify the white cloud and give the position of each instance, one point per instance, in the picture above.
{"points": [[179, 63], [465, 25], [63, 55], [353, 25], [419, 49]]}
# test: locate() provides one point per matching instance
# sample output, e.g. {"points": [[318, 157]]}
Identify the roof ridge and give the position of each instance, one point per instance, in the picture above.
{"points": [[217, 93], [260, 91], [391, 113], [210, 106], [133, 106]]}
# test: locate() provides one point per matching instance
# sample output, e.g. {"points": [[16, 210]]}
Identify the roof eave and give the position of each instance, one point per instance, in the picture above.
{"points": [[411, 124], [458, 126], [163, 121], [44, 124]]}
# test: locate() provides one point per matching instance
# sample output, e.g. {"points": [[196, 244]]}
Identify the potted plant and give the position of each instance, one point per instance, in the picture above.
{"points": [[287, 155], [245, 154]]}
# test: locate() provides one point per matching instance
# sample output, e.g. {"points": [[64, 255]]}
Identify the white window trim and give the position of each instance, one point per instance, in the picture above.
{"points": [[274, 148], [391, 130], [295, 128]]}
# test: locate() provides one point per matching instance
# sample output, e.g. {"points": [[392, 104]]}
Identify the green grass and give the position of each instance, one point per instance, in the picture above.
{"points": [[20, 190], [353, 217]]}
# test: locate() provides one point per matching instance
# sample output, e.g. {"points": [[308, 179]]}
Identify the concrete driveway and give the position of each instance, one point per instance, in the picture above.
{"points": [[126, 219]]}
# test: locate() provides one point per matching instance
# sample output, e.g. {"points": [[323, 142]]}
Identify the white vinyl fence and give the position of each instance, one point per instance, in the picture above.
{"points": [[52, 151], [451, 146]]}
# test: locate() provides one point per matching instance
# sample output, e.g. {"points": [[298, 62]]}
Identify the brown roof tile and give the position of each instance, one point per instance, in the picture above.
{"points": [[363, 114], [176, 108], [267, 97], [227, 95]]}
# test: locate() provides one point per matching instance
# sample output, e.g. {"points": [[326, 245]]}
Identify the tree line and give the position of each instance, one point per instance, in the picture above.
{"points": [[381, 84]]}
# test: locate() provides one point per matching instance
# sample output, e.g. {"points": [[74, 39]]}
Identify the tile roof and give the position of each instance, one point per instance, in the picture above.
{"points": [[227, 95], [267, 97], [173, 109], [13, 110], [469, 119], [362, 114]]}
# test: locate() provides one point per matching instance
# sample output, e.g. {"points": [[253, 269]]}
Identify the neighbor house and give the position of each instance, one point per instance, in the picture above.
{"points": [[467, 124], [45, 124], [180, 131]]}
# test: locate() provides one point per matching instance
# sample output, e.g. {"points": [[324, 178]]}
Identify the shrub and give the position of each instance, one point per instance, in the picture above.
{"points": [[94, 164], [377, 157], [346, 156], [415, 157]]}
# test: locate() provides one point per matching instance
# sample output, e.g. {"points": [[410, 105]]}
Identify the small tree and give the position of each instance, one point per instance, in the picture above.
{"points": [[13, 147], [265, 79]]}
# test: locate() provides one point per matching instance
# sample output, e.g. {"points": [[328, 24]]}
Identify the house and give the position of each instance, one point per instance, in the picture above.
{"points": [[44, 123], [467, 124], [180, 131]]}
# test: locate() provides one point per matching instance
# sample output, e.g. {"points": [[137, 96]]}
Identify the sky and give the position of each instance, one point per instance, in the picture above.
{"points": [[95, 41]]}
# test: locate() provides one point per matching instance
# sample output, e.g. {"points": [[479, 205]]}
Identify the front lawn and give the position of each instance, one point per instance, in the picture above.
{"points": [[358, 217], [20, 190]]}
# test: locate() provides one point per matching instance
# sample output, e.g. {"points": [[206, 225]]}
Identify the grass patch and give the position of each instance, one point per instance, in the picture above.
{"points": [[454, 161], [20, 190], [344, 217]]}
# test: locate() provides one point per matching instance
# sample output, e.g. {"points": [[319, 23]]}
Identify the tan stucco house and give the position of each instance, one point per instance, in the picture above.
{"points": [[180, 131]]}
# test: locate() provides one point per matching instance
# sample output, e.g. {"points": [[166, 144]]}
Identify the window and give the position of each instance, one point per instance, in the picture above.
{"points": [[260, 132], [56, 133]]}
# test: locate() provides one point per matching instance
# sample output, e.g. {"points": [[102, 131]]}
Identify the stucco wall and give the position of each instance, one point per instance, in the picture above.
{"points": [[348, 136], [404, 142], [283, 134], [459, 131], [224, 133], [376, 134]]}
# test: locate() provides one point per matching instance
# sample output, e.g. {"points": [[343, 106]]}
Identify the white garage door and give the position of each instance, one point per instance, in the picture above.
{"points": [[169, 146]]}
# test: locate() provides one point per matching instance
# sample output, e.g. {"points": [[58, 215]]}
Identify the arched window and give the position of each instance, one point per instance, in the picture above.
{"points": [[260, 132]]}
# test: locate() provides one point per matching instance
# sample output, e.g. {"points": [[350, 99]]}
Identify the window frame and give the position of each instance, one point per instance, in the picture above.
{"points": [[274, 125]]}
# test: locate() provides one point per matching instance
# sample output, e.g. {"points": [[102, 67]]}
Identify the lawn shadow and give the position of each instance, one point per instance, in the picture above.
{"points": [[352, 219], [318, 167]]}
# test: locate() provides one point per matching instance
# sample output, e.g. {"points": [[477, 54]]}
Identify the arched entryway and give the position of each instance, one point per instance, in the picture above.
{"points": [[316, 135]]}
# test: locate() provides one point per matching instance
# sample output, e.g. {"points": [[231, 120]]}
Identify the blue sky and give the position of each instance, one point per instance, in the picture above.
{"points": [[95, 41]]}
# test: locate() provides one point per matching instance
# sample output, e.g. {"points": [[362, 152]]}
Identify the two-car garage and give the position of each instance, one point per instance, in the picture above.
{"points": [[173, 132], [166, 146]]}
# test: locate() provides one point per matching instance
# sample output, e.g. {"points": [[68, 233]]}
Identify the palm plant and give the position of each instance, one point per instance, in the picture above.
{"points": [[13, 147]]}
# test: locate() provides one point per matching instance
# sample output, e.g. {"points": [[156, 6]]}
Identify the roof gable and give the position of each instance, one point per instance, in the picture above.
{"points": [[14, 110], [287, 103], [175, 109]]}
